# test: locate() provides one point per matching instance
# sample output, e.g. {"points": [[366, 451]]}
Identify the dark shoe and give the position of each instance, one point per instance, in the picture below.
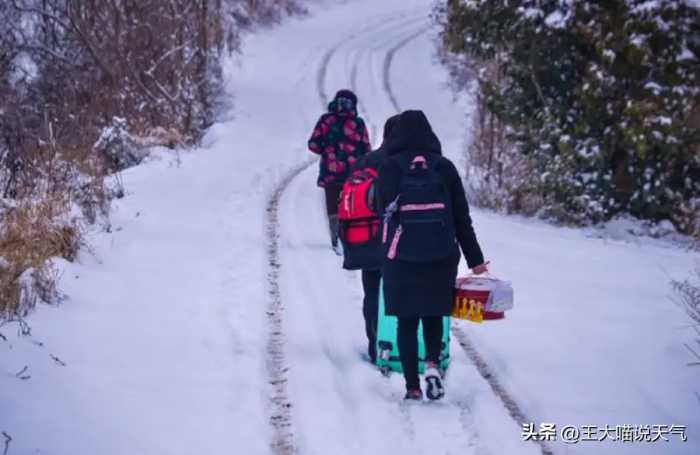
{"points": [[414, 394], [434, 388]]}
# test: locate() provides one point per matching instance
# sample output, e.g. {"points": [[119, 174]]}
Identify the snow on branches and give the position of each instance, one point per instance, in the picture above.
{"points": [[85, 87], [601, 99]]}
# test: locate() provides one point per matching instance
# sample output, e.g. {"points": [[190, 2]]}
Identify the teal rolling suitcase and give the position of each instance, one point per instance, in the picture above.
{"points": [[387, 347]]}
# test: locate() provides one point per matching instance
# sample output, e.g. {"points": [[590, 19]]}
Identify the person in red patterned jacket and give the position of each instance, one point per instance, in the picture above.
{"points": [[340, 137]]}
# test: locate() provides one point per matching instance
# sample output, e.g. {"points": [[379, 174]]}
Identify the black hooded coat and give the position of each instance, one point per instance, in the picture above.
{"points": [[376, 158], [424, 289]]}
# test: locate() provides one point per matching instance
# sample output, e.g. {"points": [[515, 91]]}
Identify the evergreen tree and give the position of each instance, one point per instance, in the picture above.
{"points": [[600, 97]]}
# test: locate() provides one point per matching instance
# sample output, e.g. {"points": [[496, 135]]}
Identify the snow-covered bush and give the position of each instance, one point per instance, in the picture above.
{"points": [[688, 297], [93, 197], [22, 293], [117, 147], [689, 294], [38, 286], [600, 97]]}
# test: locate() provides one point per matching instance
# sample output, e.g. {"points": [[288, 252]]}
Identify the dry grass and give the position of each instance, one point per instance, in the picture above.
{"points": [[31, 234], [159, 136], [39, 222]]}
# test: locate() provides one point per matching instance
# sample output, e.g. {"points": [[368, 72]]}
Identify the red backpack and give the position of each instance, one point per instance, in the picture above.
{"points": [[359, 222]]}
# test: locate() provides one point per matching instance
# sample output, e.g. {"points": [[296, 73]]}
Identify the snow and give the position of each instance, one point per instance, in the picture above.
{"points": [[653, 86], [647, 6], [663, 120], [631, 230], [638, 40], [25, 68], [161, 345], [530, 12], [556, 19], [685, 55]]}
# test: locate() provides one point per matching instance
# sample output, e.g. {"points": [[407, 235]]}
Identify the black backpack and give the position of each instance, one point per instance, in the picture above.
{"points": [[419, 223]]}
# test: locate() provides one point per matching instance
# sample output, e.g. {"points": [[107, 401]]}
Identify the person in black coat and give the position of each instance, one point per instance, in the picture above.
{"points": [[424, 291], [371, 265]]}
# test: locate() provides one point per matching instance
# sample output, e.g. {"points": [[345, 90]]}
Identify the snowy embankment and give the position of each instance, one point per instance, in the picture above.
{"points": [[162, 346]]}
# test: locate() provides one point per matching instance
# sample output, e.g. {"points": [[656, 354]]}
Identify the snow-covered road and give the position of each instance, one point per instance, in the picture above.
{"points": [[177, 322], [338, 400]]}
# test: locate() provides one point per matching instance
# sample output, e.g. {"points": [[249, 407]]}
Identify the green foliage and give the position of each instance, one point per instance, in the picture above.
{"points": [[602, 97]]}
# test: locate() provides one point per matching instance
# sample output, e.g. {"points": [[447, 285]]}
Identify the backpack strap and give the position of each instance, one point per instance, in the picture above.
{"points": [[389, 212]]}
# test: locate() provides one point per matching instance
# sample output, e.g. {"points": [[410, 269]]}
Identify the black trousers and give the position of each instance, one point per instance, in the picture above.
{"points": [[408, 345], [332, 191], [370, 308]]}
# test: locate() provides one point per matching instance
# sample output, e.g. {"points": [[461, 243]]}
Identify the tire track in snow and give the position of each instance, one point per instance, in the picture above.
{"points": [[511, 405], [508, 401], [404, 408], [282, 442], [322, 71], [321, 74], [463, 409], [388, 60], [376, 35], [283, 435], [406, 418], [280, 417], [395, 32]]}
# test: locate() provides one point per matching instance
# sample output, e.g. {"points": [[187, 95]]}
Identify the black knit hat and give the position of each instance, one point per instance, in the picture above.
{"points": [[348, 94]]}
